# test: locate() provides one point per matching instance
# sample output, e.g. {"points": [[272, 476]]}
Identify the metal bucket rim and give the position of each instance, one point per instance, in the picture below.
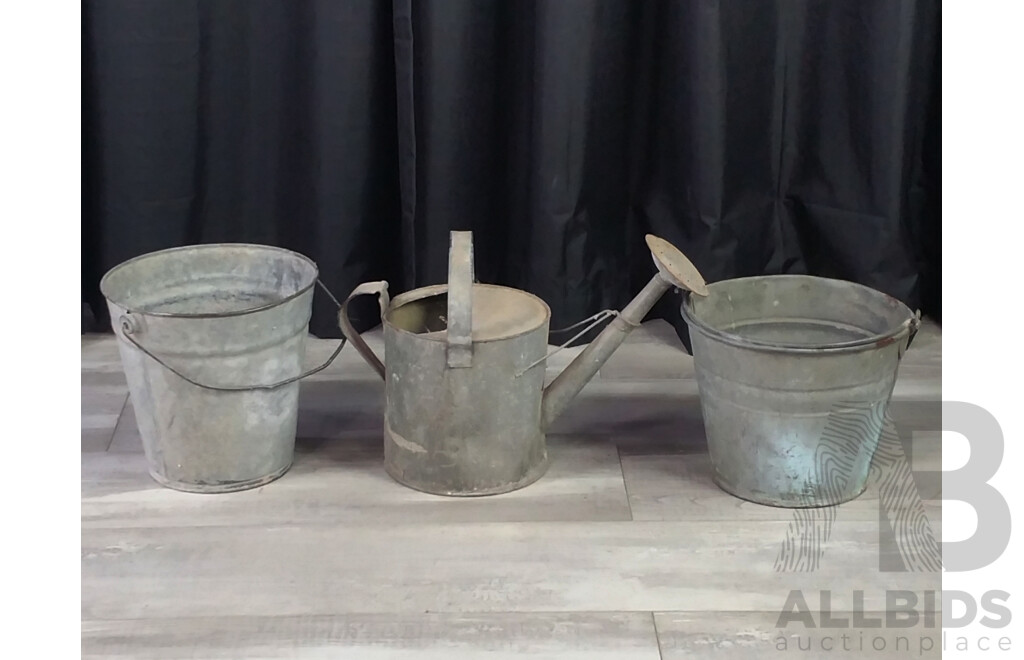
{"points": [[867, 343], [437, 289], [211, 315]]}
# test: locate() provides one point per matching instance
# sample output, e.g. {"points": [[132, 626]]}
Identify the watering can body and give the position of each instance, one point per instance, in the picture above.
{"points": [[466, 409], [473, 430]]}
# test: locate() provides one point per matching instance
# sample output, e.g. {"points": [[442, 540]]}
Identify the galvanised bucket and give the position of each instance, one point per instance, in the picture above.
{"points": [[466, 410], [211, 340], [795, 375]]}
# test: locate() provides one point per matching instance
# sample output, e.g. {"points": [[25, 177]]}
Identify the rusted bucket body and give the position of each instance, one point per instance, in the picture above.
{"points": [[466, 408], [795, 375], [212, 339]]}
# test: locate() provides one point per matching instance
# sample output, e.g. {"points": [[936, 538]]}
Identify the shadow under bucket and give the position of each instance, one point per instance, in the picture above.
{"points": [[795, 375], [212, 339]]}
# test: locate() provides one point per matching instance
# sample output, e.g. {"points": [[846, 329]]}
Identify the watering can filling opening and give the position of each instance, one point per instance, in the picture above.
{"points": [[498, 313]]}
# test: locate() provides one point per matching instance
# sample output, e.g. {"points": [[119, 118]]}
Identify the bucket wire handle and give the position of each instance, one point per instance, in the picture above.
{"points": [[460, 300], [366, 288], [129, 327]]}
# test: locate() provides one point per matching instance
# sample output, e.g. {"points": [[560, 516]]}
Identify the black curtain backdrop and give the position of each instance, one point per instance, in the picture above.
{"points": [[787, 136]]}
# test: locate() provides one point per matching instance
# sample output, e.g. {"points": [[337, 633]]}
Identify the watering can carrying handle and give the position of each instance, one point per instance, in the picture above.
{"points": [[130, 326], [366, 288], [460, 300]]}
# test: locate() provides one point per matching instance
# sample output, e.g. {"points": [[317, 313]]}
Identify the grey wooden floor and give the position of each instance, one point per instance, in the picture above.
{"points": [[625, 549]]}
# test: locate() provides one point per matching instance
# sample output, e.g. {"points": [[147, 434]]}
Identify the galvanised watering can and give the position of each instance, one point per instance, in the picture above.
{"points": [[466, 408]]}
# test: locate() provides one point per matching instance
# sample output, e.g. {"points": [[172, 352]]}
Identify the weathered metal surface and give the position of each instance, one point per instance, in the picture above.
{"points": [[464, 431], [675, 267], [795, 375], [227, 316], [475, 425], [459, 333]]}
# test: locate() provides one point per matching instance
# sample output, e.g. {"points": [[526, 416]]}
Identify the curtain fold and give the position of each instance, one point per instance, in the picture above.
{"points": [[786, 136]]}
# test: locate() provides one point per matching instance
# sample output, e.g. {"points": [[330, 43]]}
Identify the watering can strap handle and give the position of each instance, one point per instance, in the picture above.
{"points": [[460, 300], [380, 289], [129, 327]]}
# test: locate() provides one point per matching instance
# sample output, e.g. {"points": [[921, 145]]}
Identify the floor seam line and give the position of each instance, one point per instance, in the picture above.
{"points": [[117, 424], [657, 637], [625, 486]]}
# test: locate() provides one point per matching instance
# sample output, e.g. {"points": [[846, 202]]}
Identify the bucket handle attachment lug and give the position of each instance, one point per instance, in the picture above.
{"points": [[130, 327], [914, 324], [366, 288]]}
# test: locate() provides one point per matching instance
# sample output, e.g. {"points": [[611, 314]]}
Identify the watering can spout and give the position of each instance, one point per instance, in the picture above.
{"points": [[674, 270]]}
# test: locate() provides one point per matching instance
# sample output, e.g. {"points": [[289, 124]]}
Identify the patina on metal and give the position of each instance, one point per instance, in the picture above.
{"points": [[212, 339], [466, 409], [795, 376]]}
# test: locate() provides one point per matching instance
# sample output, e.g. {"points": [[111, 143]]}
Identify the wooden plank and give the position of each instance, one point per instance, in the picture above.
{"points": [[679, 486], [652, 351], [583, 636], [745, 635], [668, 470], [348, 364], [642, 410], [327, 409], [103, 398], [99, 353], [336, 560], [342, 480], [293, 570]]}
